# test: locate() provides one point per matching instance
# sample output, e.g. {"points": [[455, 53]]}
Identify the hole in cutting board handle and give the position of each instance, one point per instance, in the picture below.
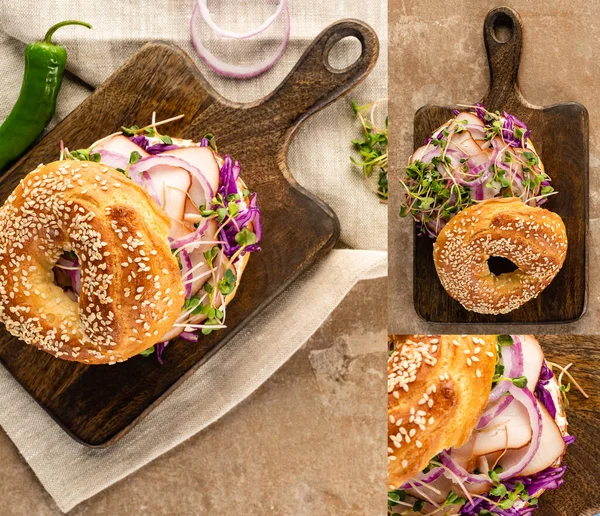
{"points": [[342, 53], [503, 28]]}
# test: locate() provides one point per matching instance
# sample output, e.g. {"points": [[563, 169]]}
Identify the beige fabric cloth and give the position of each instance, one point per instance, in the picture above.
{"points": [[72, 473]]}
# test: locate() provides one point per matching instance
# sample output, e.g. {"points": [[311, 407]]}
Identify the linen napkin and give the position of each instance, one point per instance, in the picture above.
{"points": [[318, 159]]}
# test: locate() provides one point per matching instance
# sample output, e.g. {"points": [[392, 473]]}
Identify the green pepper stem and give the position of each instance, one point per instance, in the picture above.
{"points": [[54, 28]]}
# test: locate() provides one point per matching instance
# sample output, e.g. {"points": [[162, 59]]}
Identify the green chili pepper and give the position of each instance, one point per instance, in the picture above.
{"points": [[44, 68]]}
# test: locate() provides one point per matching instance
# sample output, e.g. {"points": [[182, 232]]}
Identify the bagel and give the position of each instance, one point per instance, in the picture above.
{"points": [[430, 382], [534, 239], [445, 434], [101, 261], [131, 291]]}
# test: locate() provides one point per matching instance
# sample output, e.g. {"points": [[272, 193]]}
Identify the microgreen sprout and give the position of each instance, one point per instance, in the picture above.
{"points": [[83, 155], [147, 352], [373, 147]]}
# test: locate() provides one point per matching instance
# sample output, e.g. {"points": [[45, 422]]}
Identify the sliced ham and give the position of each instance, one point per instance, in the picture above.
{"points": [[512, 422], [476, 128], [533, 357], [552, 446], [120, 145], [420, 152], [470, 118], [203, 159], [180, 229], [441, 484], [171, 185], [465, 143], [485, 463]]}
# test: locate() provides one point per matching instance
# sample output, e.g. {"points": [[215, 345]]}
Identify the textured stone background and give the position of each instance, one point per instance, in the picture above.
{"points": [[437, 56], [309, 442]]}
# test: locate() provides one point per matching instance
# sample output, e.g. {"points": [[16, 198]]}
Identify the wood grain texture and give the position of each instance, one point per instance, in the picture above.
{"points": [[579, 495], [560, 135], [98, 404]]}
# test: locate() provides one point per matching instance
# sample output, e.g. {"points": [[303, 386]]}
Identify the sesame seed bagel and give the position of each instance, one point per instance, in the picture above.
{"points": [[438, 387], [131, 291], [534, 239]]}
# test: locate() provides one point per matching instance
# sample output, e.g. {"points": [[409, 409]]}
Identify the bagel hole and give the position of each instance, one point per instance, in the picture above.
{"points": [[63, 275], [500, 265]]}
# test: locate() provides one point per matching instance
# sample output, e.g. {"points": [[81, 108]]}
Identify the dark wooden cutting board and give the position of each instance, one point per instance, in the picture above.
{"points": [[560, 135], [98, 404], [579, 496]]}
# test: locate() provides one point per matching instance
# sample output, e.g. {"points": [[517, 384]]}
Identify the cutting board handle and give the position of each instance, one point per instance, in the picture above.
{"points": [[503, 36], [314, 83]]}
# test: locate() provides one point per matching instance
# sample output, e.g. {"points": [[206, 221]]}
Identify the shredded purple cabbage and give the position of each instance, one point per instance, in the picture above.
{"points": [[158, 148], [473, 509], [480, 113], [144, 143], [508, 130], [549, 478], [541, 393], [140, 141], [546, 373], [508, 126], [230, 172], [159, 348]]}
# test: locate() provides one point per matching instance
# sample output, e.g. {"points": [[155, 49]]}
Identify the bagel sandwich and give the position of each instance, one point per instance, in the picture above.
{"points": [[114, 250], [476, 425], [475, 156]]}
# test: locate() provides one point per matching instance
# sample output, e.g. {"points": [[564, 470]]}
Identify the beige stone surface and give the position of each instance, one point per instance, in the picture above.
{"points": [[310, 441], [437, 55]]}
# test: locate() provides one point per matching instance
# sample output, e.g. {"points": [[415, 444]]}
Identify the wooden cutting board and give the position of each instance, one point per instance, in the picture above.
{"points": [[560, 135], [98, 404], [579, 495]]}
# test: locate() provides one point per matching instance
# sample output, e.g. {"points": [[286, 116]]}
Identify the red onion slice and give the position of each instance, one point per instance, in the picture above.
{"points": [[461, 472], [195, 236], [493, 411], [136, 170], [186, 266], [424, 478], [148, 184], [205, 13], [237, 71], [512, 360], [525, 397], [188, 335], [477, 193], [113, 159], [481, 180], [74, 274], [429, 155]]}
